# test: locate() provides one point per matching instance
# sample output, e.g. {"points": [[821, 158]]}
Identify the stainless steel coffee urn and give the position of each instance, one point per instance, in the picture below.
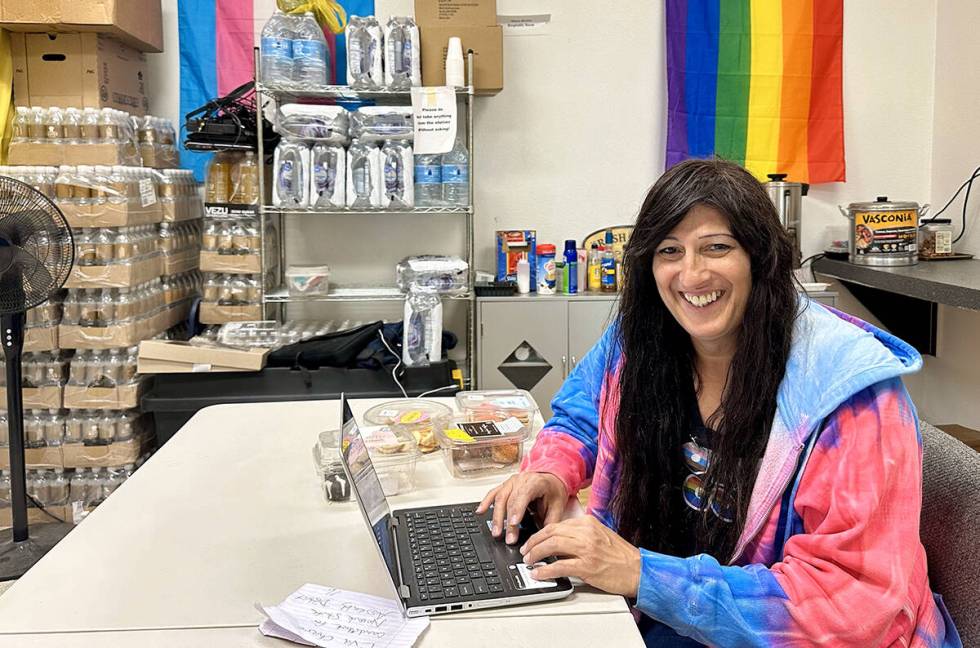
{"points": [[788, 199]]}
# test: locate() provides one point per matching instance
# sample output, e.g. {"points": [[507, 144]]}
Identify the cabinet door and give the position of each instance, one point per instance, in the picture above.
{"points": [[524, 344], [587, 320]]}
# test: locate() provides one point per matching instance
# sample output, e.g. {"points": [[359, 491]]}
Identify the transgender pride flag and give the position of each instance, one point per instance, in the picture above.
{"points": [[216, 41]]}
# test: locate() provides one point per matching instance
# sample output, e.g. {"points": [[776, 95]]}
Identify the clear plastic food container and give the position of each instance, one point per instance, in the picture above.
{"points": [[308, 280], [419, 418], [394, 454], [248, 335], [498, 405], [326, 460], [481, 448]]}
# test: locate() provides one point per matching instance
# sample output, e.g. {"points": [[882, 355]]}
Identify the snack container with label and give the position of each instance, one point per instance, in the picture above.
{"points": [[419, 418], [326, 460], [308, 281], [498, 405], [474, 449], [394, 454]]}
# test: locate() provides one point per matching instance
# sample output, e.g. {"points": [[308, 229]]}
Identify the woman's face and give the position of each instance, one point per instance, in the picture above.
{"points": [[704, 277]]}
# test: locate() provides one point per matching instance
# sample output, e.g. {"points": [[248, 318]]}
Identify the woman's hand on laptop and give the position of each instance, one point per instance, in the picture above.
{"points": [[511, 499], [589, 550]]}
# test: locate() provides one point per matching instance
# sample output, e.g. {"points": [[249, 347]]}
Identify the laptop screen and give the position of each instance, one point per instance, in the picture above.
{"points": [[367, 489]]}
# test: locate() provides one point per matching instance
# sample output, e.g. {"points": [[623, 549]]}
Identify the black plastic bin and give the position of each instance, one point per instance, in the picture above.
{"points": [[175, 398]]}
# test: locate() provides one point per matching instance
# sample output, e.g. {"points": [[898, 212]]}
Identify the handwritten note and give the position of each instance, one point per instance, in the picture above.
{"points": [[315, 615]]}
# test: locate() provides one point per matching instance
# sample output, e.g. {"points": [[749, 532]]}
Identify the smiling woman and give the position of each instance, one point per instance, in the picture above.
{"points": [[754, 459]]}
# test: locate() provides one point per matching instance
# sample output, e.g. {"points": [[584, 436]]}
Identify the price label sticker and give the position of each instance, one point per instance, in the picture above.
{"points": [[458, 435], [148, 194]]}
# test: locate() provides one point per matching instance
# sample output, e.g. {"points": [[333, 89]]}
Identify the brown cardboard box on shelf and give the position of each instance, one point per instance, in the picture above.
{"points": [[36, 458], [213, 313], [116, 275], [136, 22], [55, 154], [47, 397], [181, 261], [231, 263], [456, 12], [41, 338], [122, 397], [110, 214], [80, 70], [487, 43], [37, 516], [162, 356], [117, 453]]}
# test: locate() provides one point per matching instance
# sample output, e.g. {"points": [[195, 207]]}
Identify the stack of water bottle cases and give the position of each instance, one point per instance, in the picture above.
{"points": [[137, 238]]}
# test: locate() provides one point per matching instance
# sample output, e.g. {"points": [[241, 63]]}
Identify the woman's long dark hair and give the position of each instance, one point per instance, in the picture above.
{"points": [[657, 379]]}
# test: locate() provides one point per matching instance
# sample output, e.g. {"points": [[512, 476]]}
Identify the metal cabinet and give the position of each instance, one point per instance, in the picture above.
{"points": [[533, 342]]}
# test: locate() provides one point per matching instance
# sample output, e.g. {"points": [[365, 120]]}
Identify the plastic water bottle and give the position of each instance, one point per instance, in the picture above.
{"points": [[309, 51], [290, 175], [428, 180], [456, 175], [277, 49]]}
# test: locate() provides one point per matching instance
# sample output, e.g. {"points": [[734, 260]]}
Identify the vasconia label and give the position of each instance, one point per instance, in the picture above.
{"points": [[893, 232]]}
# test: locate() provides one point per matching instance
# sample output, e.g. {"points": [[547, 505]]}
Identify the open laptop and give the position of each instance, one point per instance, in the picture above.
{"points": [[441, 559]]}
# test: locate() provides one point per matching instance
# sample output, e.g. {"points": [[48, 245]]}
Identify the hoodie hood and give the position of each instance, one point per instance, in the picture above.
{"points": [[833, 357]]}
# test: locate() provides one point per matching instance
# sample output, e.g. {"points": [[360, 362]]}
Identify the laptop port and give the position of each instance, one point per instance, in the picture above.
{"points": [[441, 608], [456, 607]]}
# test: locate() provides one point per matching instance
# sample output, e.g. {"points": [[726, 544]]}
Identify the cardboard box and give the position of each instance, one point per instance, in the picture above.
{"points": [[54, 154], [162, 356], [212, 313], [41, 338], [37, 516], [73, 336], [36, 458], [138, 23], [487, 43], [48, 397], [117, 275], [80, 70], [110, 215], [117, 453], [122, 397], [511, 245], [231, 263], [454, 13], [181, 261]]}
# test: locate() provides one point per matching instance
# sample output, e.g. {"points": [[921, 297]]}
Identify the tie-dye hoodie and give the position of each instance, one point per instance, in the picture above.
{"points": [[830, 553]]}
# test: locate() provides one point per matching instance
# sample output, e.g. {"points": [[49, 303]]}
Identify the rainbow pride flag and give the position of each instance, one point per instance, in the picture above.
{"points": [[757, 82]]}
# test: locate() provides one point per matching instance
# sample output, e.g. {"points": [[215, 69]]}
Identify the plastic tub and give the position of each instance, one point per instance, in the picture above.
{"points": [[419, 418], [474, 449], [394, 454], [326, 460], [308, 281], [498, 405]]}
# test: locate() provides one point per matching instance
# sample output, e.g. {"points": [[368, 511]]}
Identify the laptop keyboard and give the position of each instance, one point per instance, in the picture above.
{"points": [[449, 554]]}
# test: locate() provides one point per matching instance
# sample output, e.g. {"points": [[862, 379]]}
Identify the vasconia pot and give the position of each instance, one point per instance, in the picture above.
{"points": [[884, 232]]}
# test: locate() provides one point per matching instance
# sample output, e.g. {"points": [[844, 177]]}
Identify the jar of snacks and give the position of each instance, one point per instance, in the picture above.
{"points": [[936, 238], [419, 418], [474, 449]]}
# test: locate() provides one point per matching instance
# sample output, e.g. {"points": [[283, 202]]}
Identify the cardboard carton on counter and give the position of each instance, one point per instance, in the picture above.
{"points": [[79, 70], [162, 356], [138, 23], [213, 313]]}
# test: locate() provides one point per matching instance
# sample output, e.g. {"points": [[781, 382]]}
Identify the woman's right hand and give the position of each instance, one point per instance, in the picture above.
{"points": [[511, 499]]}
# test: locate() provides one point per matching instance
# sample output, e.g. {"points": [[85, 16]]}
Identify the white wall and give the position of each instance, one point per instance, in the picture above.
{"points": [[577, 137]]}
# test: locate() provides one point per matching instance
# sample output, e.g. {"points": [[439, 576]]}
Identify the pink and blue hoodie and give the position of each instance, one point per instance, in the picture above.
{"points": [[830, 553]]}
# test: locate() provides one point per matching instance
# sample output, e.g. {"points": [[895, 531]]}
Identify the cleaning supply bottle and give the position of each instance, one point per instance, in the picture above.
{"points": [[523, 275], [595, 268], [571, 268], [608, 265]]}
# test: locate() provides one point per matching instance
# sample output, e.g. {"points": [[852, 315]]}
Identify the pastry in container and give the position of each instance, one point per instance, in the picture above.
{"points": [[498, 405], [474, 449], [394, 454], [419, 418]]}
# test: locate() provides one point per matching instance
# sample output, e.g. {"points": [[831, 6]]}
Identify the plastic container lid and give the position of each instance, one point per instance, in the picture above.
{"points": [[420, 418], [389, 442], [498, 404], [463, 433], [546, 248], [304, 270]]}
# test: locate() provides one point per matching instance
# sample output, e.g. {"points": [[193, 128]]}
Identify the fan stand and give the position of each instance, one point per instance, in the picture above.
{"points": [[20, 551]]}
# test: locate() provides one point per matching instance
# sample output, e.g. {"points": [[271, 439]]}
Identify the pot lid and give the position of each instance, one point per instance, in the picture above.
{"points": [[779, 180], [882, 203]]}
